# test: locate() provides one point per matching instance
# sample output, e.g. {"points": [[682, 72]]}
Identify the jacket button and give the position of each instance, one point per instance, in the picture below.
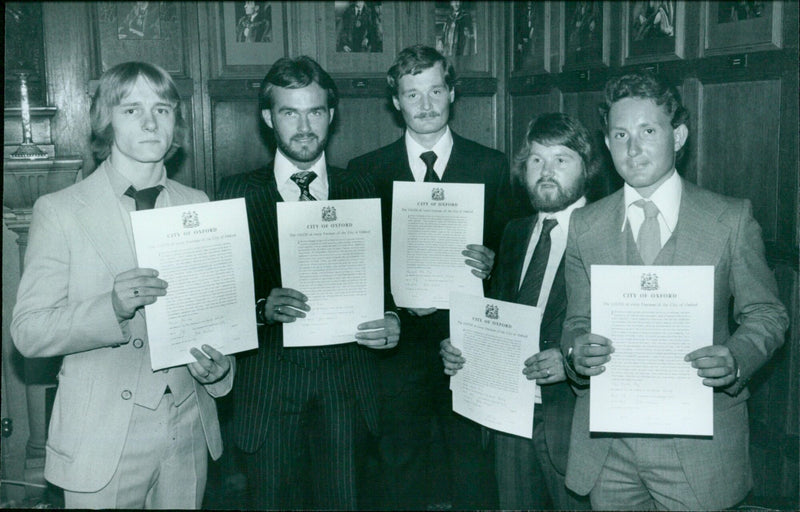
{"points": [[126, 394], [138, 343]]}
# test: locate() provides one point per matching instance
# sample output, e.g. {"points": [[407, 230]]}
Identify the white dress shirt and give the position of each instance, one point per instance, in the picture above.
{"points": [[558, 244], [442, 148], [284, 168], [667, 199]]}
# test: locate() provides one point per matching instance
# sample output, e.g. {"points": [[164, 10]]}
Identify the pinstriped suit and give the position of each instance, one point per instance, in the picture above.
{"points": [[293, 404]]}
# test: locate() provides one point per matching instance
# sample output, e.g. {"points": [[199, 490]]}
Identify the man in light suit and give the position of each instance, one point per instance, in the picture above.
{"points": [[554, 166], [121, 435], [415, 397], [300, 414], [645, 126]]}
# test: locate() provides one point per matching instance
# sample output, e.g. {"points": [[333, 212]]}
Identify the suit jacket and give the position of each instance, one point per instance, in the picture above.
{"points": [[261, 380], [78, 244], [711, 230], [469, 162], [558, 400]]}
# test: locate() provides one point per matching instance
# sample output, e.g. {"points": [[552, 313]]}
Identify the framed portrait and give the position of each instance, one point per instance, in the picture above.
{"points": [[653, 30], [585, 34], [148, 31], [251, 36], [530, 44], [461, 33], [24, 52], [742, 26], [359, 35]]}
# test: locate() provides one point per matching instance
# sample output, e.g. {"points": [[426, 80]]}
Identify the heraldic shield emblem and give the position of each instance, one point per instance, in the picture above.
{"points": [[190, 219], [492, 311], [329, 213], [437, 194], [649, 281]]}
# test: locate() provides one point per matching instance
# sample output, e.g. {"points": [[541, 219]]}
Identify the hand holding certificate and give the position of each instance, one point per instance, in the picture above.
{"points": [[432, 223], [495, 338], [203, 252], [654, 315], [331, 252]]}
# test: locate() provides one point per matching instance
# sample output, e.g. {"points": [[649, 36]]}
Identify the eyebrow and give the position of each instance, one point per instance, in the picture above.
{"points": [[138, 103]]}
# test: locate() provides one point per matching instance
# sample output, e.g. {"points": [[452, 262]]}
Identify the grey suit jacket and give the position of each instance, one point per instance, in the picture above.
{"points": [[78, 244], [711, 230]]}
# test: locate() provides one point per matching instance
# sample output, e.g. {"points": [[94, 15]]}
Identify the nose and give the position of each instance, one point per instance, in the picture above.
{"points": [[548, 170], [633, 147], [148, 121], [426, 102], [304, 125]]}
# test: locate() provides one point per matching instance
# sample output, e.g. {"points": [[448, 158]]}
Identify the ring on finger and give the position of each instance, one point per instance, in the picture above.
{"points": [[385, 341], [548, 371], [135, 292]]}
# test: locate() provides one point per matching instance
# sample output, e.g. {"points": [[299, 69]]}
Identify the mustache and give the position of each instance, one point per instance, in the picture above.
{"points": [[431, 114], [548, 181], [304, 137]]}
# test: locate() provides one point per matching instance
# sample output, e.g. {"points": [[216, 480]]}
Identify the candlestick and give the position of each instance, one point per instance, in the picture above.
{"points": [[27, 150]]}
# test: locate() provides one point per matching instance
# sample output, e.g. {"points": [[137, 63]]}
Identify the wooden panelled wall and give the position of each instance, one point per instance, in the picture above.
{"points": [[743, 133]]}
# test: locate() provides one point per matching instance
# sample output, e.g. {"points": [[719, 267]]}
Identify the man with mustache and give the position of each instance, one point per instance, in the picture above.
{"points": [[659, 218], [554, 165], [300, 413], [415, 395]]}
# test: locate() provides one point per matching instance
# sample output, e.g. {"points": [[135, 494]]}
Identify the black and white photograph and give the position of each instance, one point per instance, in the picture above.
{"points": [[401, 255]]}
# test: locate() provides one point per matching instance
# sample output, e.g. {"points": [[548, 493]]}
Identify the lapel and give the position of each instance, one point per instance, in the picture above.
{"points": [[700, 238], [398, 158], [100, 217], [460, 164], [603, 239]]}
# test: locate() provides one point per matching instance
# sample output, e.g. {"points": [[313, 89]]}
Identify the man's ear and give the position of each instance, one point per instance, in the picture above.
{"points": [[605, 138], [266, 115], [680, 134], [452, 94], [330, 115], [396, 102]]}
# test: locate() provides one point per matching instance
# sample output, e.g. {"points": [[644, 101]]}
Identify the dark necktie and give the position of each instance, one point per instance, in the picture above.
{"points": [[429, 157], [532, 284], [649, 239], [145, 198], [303, 180]]}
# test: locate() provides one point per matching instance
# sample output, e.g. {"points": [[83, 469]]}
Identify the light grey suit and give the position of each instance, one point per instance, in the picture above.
{"points": [[78, 244], [711, 230]]}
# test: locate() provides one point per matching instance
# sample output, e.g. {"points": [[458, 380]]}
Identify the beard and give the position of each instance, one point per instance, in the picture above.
{"points": [[557, 198], [306, 151]]}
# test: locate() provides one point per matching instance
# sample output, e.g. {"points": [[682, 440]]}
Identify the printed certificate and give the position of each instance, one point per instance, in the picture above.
{"points": [[495, 338], [654, 316], [431, 224], [203, 252], [332, 252]]}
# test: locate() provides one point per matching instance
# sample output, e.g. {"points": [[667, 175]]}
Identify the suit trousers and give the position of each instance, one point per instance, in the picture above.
{"points": [[310, 454], [526, 478], [643, 473], [164, 462]]}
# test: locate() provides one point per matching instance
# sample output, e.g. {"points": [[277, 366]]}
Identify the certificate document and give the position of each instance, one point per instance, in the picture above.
{"points": [[203, 252], [431, 224], [654, 316], [495, 338], [332, 252]]}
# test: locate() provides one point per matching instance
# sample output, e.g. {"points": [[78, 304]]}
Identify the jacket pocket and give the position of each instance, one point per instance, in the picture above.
{"points": [[69, 417]]}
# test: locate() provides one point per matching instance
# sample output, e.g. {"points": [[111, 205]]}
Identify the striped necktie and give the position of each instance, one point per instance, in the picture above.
{"points": [[303, 180], [532, 284]]}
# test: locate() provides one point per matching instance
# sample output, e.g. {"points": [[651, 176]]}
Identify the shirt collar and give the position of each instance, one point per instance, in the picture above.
{"points": [[563, 216], [667, 198], [442, 148], [284, 168], [120, 183]]}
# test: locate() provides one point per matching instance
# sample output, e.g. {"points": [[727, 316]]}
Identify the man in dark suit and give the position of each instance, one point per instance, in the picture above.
{"points": [[658, 218], [554, 165], [300, 413], [415, 397]]}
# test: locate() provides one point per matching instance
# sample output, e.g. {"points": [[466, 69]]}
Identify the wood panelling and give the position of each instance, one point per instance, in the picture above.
{"points": [[363, 124], [739, 152], [240, 139]]}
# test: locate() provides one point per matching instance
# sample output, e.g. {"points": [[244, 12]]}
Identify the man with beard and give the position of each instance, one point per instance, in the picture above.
{"points": [[554, 165], [415, 397], [300, 413]]}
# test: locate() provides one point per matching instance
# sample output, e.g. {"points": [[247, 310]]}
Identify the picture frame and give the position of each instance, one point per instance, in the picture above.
{"points": [[146, 31], [736, 27], [653, 31], [359, 40], [251, 37], [585, 35], [530, 37], [461, 33]]}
